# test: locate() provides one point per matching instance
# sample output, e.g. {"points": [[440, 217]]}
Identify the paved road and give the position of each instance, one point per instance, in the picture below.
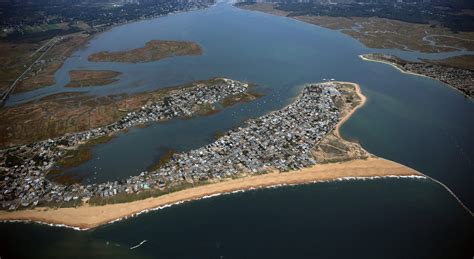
{"points": [[6, 94]]}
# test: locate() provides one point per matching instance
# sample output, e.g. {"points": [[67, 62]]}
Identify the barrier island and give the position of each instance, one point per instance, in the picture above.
{"points": [[298, 144]]}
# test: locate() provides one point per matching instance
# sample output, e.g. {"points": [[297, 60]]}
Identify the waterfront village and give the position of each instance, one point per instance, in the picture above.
{"points": [[461, 79], [281, 140]]}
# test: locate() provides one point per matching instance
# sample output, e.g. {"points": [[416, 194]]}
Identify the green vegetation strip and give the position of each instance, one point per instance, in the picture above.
{"points": [[128, 197]]}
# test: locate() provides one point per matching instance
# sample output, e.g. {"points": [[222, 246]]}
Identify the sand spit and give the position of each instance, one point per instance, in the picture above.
{"points": [[363, 100], [395, 66]]}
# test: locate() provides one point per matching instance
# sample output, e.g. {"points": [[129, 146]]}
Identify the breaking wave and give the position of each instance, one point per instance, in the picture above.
{"points": [[226, 193]]}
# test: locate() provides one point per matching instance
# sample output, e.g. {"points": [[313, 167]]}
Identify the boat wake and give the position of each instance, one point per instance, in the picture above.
{"points": [[137, 246]]}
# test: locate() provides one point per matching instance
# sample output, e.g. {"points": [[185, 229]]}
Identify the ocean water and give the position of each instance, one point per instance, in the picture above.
{"points": [[383, 218], [413, 120]]}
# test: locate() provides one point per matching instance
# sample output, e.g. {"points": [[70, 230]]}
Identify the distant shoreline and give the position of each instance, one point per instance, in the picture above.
{"points": [[412, 73], [397, 67], [86, 216]]}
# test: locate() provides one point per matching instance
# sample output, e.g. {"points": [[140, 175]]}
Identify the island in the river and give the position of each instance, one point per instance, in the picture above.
{"points": [[152, 51], [297, 144], [458, 77], [86, 78]]}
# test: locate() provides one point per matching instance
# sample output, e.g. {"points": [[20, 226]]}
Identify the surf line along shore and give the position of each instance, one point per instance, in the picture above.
{"points": [[395, 66], [87, 216]]}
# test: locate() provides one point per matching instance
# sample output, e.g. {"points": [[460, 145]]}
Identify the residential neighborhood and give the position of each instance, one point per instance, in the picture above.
{"points": [[23, 169], [282, 140], [461, 79]]}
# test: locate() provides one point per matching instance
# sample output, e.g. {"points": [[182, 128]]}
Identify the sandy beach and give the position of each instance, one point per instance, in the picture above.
{"points": [[395, 66], [411, 73], [86, 216], [363, 100]]}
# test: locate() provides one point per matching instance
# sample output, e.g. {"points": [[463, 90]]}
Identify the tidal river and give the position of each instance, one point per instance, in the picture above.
{"points": [[412, 120]]}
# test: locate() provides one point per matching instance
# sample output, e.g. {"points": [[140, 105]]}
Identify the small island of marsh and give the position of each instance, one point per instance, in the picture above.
{"points": [[152, 51], [86, 78]]}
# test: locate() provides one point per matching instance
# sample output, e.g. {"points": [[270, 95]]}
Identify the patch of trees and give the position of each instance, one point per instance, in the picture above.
{"points": [[413, 13], [21, 15], [448, 15]]}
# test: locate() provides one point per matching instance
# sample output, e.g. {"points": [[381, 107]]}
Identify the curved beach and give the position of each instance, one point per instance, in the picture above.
{"points": [[413, 73], [363, 100], [395, 66], [86, 216]]}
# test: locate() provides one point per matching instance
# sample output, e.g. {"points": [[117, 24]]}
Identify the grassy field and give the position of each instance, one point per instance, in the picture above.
{"points": [[16, 57], [13, 59], [42, 74], [463, 62]]}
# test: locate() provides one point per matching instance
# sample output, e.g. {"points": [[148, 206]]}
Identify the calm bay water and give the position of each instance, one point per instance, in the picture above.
{"points": [[412, 120]]}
